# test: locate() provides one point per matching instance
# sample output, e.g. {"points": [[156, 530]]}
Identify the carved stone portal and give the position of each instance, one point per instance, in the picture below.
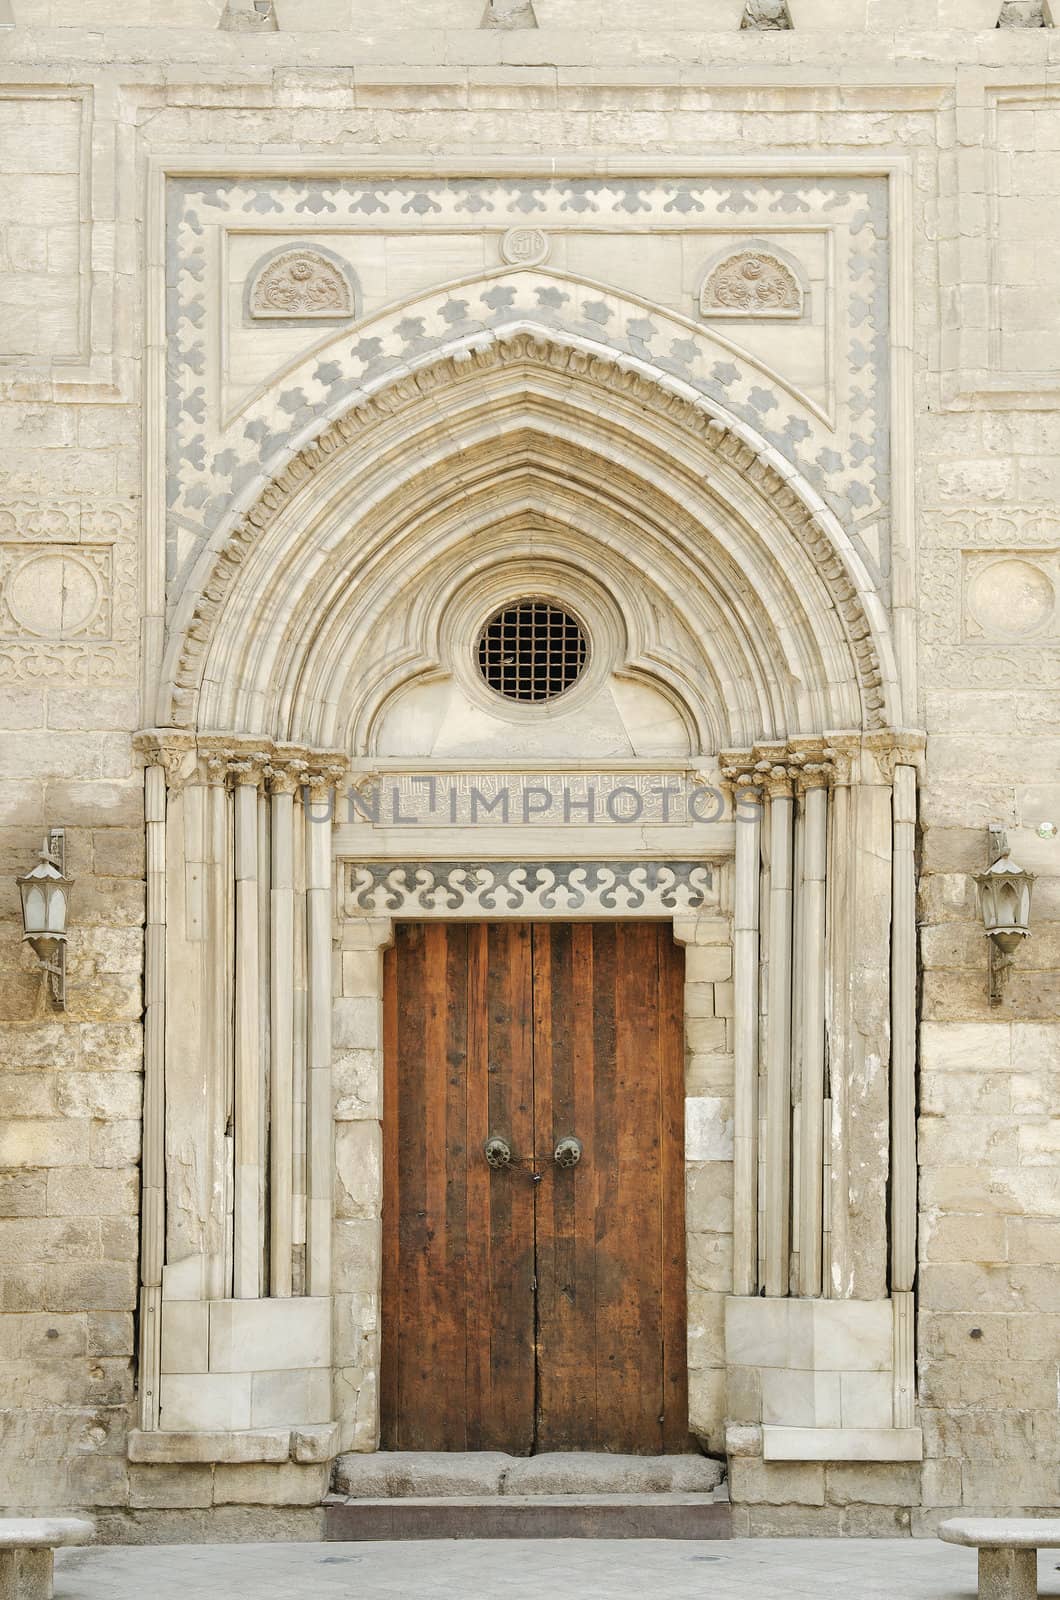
{"points": [[301, 283], [751, 283]]}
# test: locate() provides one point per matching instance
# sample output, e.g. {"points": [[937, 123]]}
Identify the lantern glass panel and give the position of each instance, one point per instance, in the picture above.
{"points": [[34, 909], [57, 911]]}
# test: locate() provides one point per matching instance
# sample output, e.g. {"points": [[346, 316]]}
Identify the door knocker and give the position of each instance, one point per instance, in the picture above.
{"points": [[568, 1152], [498, 1153]]}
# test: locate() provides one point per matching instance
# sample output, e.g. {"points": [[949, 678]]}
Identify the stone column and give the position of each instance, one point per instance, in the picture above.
{"points": [[248, 1252], [320, 1134], [283, 780], [167, 757], [358, 1236], [777, 784], [858, 985], [907, 750], [813, 787], [216, 1023], [747, 813], [903, 1031]]}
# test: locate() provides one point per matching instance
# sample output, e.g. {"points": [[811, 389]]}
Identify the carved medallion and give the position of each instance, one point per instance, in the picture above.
{"points": [[1010, 598], [301, 283], [525, 247], [751, 283], [55, 592]]}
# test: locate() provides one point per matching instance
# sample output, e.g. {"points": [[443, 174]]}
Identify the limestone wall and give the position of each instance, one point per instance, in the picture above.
{"points": [[87, 102]]}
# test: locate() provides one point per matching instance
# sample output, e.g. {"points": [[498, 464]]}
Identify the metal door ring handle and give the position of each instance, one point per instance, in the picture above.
{"points": [[498, 1153], [568, 1152]]}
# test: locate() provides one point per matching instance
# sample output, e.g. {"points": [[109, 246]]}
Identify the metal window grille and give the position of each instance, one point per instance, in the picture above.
{"points": [[532, 651]]}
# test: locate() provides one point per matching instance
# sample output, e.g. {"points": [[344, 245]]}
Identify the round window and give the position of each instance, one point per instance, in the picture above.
{"points": [[532, 651]]}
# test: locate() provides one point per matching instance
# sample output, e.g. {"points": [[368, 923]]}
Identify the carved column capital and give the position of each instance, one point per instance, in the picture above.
{"points": [[287, 769], [249, 769], [891, 748], [843, 750], [810, 766], [174, 752], [737, 767], [872, 757], [324, 769], [775, 779]]}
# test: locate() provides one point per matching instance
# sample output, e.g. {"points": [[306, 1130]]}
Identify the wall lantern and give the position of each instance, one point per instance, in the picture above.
{"points": [[45, 893], [1005, 902]]}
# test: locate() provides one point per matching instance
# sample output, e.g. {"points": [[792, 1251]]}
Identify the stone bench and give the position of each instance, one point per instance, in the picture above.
{"points": [[27, 1552], [1008, 1551]]}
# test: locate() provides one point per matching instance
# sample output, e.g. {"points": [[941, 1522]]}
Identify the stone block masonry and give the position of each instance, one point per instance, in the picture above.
{"points": [[584, 178]]}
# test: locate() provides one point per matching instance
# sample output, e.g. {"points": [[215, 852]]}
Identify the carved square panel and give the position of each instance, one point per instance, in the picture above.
{"points": [[55, 591]]}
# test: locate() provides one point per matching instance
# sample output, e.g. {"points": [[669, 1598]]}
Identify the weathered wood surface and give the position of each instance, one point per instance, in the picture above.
{"points": [[534, 1032]]}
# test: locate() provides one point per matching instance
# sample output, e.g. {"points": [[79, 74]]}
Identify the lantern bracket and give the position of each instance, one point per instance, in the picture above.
{"points": [[49, 940], [1005, 902]]}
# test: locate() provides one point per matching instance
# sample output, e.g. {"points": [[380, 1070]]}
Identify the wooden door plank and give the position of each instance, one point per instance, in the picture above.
{"points": [[390, 1307], [509, 1425], [458, 1299], [480, 1266], [609, 1051], [567, 1414], [671, 1012], [628, 1268], [450, 987]]}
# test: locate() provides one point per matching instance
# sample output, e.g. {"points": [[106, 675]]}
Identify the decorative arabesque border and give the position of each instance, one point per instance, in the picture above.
{"points": [[520, 888], [208, 466]]}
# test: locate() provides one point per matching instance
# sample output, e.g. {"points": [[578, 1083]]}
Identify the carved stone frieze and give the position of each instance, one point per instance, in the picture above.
{"points": [[751, 283], [303, 283], [522, 888]]}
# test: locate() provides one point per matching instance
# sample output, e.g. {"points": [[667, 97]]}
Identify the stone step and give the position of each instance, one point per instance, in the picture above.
{"points": [[399, 1474], [539, 1516]]}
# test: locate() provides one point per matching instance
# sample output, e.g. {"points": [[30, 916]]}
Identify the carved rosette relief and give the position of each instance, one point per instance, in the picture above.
{"points": [[301, 284], [751, 283]]}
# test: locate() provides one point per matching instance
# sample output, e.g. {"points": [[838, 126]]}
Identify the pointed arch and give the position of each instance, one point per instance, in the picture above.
{"points": [[740, 592]]}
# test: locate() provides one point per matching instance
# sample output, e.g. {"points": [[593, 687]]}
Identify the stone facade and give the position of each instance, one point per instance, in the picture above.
{"points": [[743, 334]]}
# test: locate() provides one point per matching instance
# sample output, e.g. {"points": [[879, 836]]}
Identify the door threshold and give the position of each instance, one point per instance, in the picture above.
{"points": [[566, 1516], [431, 1474]]}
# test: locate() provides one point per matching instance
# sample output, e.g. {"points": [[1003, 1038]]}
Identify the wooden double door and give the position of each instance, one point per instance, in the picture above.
{"points": [[534, 1303]]}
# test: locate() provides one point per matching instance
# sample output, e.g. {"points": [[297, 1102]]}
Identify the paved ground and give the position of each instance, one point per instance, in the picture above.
{"points": [[534, 1569]]}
